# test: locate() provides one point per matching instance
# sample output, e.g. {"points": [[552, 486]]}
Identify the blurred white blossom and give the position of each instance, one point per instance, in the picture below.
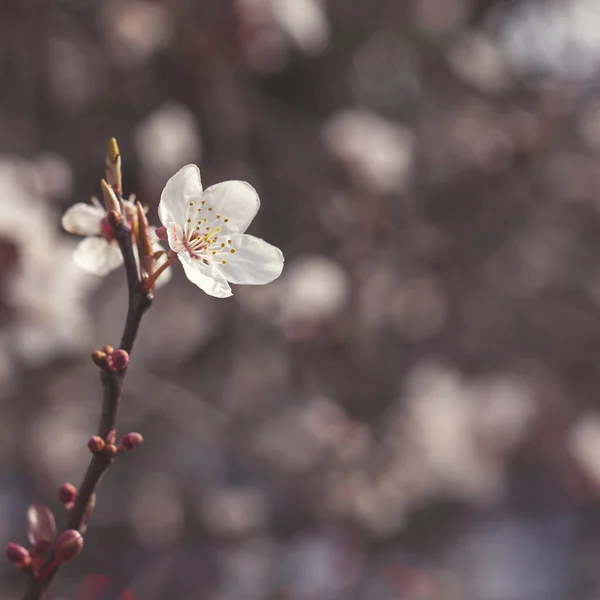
{"points": [[378, 154], [136, 29], [272, 27], [166, 140], [557, 38], [313, 288], [48, 303], [476, 59]]}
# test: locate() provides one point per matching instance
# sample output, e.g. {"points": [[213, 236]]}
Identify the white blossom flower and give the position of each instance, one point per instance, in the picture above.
{"points": [[99, 252], [205, 228]]}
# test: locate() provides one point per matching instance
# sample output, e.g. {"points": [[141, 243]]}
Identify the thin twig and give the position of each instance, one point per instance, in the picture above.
{"points": [[112, 384]]}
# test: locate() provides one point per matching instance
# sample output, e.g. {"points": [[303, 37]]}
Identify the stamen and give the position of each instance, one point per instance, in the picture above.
{"points": [[223, 262], [213, 232], [232, 251], [226, 220]]}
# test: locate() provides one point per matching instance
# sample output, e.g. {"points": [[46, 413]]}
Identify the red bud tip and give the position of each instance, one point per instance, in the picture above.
{"points": [[67, 493], [68, 545], [108, 349], [117, 360], [18, 556], [131, 441], [161, 233], [96, 444]]}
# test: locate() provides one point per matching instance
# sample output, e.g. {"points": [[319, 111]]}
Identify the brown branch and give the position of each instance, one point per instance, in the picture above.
{"points": [[112, 384]]}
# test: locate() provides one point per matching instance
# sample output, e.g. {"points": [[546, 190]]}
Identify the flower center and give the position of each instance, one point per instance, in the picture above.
{"points": [[201, 239]]}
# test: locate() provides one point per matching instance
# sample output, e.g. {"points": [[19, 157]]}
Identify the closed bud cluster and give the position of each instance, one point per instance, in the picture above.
{"points": [[68, 545], [18, 556]]}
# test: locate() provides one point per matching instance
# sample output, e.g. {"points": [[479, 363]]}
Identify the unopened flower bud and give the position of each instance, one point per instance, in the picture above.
{"points": [[113, 166], [161, 233], [96, 444], [67, 493], [68, 545], [110, 199], [18, 556], [131, 441], [110, 450], [99, 358], [108, 349], [114, 218], [117, 360]]}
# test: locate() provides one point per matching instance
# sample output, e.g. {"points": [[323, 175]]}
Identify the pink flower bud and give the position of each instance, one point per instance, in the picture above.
{"points": [[67, 493], [131, 441], [18, 556], [96, 444], [161, 234], [68, 545], [117, 360]]}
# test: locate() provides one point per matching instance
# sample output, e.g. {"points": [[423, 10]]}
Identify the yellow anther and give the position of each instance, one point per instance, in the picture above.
{"points": [[232, 251], [218, 216], [223, 245], [229, 241], [223, 262], [189, 220], [209, 208], [226, 220]]}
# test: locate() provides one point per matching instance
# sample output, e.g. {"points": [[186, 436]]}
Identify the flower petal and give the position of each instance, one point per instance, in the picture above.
{"points": [[97, 255], [175, 237], [207, 278], [184, 187], [254, 262], [83, 219], [236, 202]]}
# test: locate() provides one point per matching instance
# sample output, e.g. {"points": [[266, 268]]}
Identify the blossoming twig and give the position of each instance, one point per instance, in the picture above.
{"points": [[205, 230], [139, 300]]}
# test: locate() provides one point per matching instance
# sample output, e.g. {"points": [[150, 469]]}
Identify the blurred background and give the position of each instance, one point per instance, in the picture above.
{"points": [[411, 411]]}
